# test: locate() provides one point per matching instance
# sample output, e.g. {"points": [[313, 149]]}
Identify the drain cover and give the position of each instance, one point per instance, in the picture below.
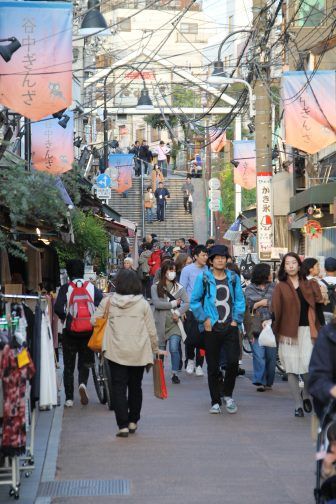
{"points": [[84, 488]]}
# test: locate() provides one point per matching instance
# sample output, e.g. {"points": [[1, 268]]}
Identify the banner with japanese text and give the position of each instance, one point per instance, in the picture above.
{"points": [[120, 170], [37, 81], [309, 101], [218, 139], [52, 145], [265, 224], [245, 154]]}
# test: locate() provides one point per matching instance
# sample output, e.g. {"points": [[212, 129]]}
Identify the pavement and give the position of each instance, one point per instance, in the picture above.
{"points": [[184, 455]]}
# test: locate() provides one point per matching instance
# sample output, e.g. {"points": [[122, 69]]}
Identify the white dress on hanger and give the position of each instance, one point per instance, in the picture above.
{"points": [[48, 382]]}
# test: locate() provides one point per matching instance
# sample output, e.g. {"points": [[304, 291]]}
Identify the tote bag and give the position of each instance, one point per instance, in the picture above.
{"points": [[160, 388], [96, 341]]}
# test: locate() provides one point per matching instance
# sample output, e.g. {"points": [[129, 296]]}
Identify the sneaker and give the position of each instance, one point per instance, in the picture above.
{"points": [[199, 371], [84, 398], [132, 427], [190, 367], [231, 406], [123, 432], [175, 379], [68, 403], [215, 409]]}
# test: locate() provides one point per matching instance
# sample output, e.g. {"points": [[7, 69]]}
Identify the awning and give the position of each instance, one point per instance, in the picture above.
{"points": [[115, 228]]}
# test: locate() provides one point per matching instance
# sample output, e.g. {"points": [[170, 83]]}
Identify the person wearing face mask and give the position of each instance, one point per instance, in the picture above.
{"points": [[295, 325], [170, 302]]}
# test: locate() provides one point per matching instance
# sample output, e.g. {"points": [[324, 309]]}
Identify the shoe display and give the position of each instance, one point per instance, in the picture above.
{"points": [[231, 406], [299, 413], [132, 427], [199, 371], [69, 403], [175, 379], [215, 409], [190, 367], [84, 398], [123, 432]]}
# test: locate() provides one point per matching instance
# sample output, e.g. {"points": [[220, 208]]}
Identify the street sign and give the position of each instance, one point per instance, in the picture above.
{"points": [[215, 206], [104, 193], [215, 194], [103, 181], [214, 183]]}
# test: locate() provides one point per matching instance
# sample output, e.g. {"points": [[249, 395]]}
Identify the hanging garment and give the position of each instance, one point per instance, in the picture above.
{"points": [[48, 383], [14, 388], [35, 349]]}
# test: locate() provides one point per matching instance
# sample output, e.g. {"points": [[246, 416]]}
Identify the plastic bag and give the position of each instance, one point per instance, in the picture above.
{"points": [[266, 337]]}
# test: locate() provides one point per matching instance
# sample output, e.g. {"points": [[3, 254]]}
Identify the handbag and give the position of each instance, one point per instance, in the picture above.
{"points": [[95, 343], [266, 337], [160, 388]]}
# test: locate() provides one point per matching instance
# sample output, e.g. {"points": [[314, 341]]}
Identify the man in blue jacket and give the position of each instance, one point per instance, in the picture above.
{"points": [[218, 303]]}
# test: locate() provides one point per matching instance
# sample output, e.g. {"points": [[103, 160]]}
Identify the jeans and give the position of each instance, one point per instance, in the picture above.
{"points": [[160, 211], [214, 340], [162, 163], [187, 204], [71, 347], [174, 349], [145, 167], [137, 167], [264, 359], [149, 214], [127, 392]]}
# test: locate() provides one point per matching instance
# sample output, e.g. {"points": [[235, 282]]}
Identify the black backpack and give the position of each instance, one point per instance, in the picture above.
{"points": [[330, 307]]}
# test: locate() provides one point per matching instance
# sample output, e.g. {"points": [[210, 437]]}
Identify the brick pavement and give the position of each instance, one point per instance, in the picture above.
{"points": [[183, 455]]}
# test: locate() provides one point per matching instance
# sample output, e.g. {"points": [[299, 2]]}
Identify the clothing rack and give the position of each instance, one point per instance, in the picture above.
{"points": [[10, 473]]}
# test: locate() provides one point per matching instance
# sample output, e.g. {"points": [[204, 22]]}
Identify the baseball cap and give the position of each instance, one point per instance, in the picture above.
{"points": [[330, 264], [218, 250]]}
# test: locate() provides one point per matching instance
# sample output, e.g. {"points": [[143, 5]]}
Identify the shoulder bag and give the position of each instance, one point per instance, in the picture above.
{"points": [[96, 341]]}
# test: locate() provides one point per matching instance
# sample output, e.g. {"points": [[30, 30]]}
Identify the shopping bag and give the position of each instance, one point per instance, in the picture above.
{"points": [[96, 341], [266, 337], [160, 388]]}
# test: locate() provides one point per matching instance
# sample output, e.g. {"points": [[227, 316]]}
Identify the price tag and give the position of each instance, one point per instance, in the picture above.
{"points": [[23, 358]]}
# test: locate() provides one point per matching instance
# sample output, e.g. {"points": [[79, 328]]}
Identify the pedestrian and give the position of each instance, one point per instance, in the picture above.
{"points": [[188, 191], [162, 152], [154, 261], [295, 324], [168, 153], [218, 303], [148, 204], [181, 242], [77, 329], [145, 156], [210, 243], [258, 298], [157, 177], [176, 252], [170, 303], [148, 239], [192, 245], [194, 359], [311, 270], [329, 280], [161, 194], [181, 261], [143, 270], [128, 263], [130, 341], [137, 161], [167, 247]]}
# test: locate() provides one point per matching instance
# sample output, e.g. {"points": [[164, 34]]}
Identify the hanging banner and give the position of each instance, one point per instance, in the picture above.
{"points": [[120, 170], [265, 223], [52, 145], [37, 81], [218, 139], [245, 154], [309, 109]]}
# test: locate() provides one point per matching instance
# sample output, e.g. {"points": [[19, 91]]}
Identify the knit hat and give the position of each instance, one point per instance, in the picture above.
{"points": [[330, 264], [218, 250]]}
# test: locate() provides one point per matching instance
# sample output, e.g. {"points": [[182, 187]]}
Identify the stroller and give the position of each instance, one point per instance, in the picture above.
{"points": [[325, 488]]}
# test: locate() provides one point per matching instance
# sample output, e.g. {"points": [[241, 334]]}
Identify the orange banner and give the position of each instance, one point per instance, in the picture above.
{"points": [[309, 109], [37, 81], [218, 139], [52, 146], [245, 173]]}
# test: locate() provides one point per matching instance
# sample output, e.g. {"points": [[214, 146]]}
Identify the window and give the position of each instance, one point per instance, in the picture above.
{"points": [[124, 24], [189, 28], [311, 12], [230, 26]]}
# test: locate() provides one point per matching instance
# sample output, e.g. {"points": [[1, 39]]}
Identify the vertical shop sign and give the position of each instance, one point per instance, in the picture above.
{"points": [[265, 216]]}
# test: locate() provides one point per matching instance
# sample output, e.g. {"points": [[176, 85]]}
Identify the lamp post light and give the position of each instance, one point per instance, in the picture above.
{"points": [[7, 51], [94, 22]]}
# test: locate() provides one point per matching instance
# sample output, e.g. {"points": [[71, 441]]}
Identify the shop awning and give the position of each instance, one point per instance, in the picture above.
{"points": [[316, 195], [115, 228]]}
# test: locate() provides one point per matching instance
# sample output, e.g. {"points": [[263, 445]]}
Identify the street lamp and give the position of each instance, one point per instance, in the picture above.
{"points": [[94, 22], [144, 103], [7, 51]]}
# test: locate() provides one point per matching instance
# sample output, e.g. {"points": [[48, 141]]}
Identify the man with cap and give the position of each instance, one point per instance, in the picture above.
{"points": [[329, 281], [218, 303]]}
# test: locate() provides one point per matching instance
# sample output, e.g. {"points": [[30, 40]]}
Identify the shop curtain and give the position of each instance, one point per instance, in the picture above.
{"points": [[120, 170], [245, 174]]}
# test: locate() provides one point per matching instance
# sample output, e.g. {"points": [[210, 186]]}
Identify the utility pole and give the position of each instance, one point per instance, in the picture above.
{"points": [[263, 135], [237, 187]]}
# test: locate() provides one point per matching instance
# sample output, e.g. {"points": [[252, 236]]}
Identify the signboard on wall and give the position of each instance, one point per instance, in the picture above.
{"points": [[265, 216]]}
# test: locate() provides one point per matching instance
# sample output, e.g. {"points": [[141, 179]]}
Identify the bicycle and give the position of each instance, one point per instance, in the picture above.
{"points": [[102, 380]]}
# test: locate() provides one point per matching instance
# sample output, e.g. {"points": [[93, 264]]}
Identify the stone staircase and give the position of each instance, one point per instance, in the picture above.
{"points": [[177, 223]]}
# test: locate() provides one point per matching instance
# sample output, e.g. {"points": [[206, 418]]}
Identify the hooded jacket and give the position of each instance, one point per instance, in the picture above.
{"points": [[322, 368], [130, 336]]}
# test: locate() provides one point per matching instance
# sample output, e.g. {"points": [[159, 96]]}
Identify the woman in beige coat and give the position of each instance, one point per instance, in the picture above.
{"points": [[129, 344]]}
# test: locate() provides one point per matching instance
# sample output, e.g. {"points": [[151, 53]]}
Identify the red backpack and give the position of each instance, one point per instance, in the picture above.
{"points": [[80, 309]]}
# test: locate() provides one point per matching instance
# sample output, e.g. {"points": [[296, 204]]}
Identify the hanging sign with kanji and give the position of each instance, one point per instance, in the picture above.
{"points": [[265, 216]]}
